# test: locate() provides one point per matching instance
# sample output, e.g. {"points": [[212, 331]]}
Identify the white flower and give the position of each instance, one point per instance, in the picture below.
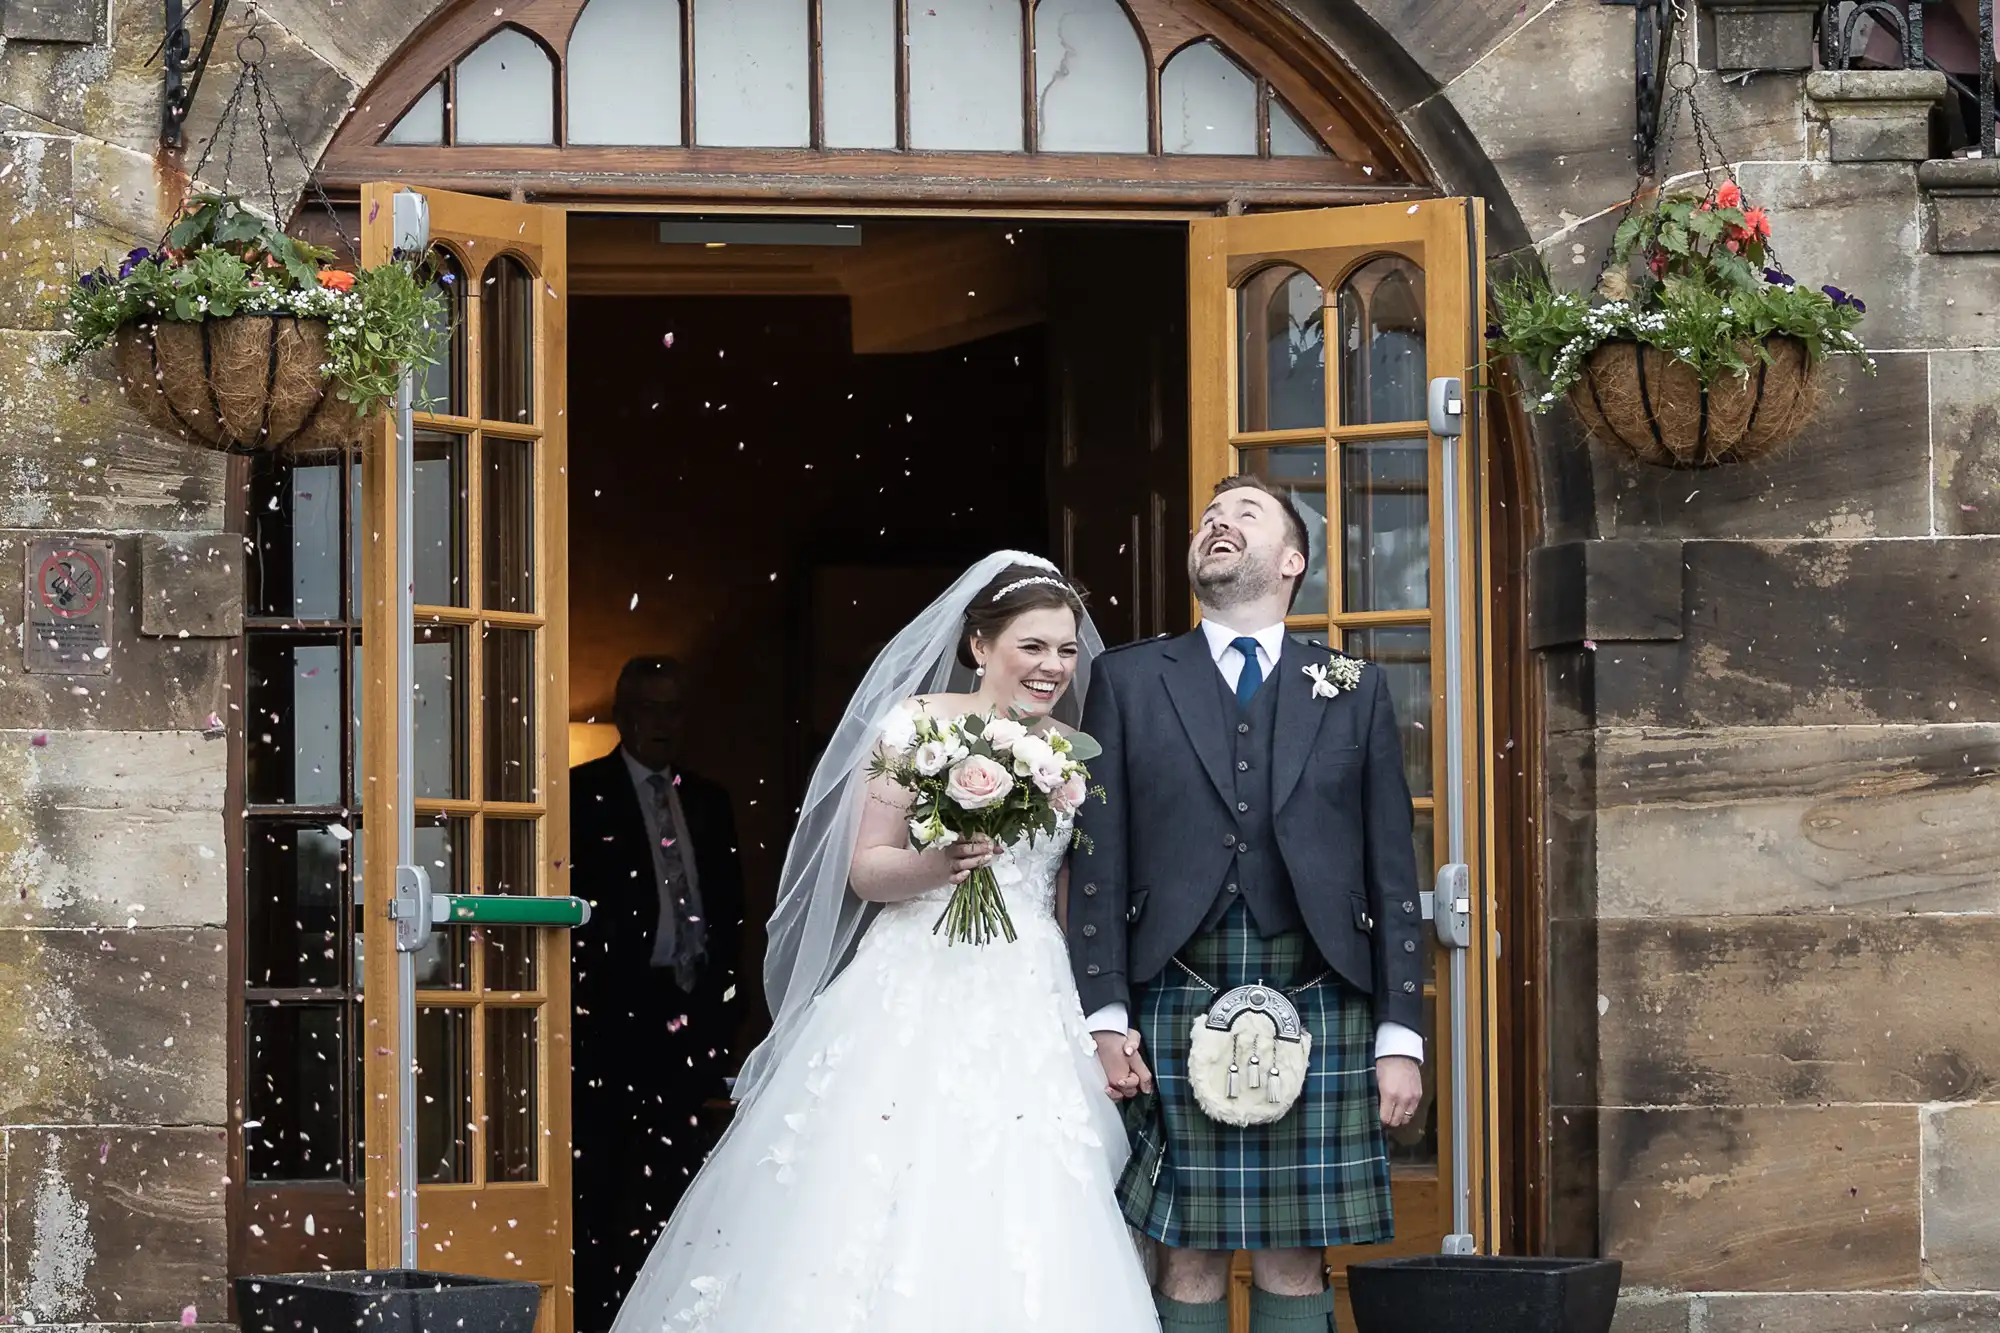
{"points": [[1002, 733], [934, 757], [931, 833], [1036, 758], [899, 731], [1332, 678]]}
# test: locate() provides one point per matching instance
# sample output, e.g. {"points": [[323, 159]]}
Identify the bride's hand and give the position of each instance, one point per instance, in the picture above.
{"points": [[956, 862]]}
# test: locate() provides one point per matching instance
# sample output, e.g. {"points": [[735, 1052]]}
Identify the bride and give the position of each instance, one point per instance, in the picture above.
{"points": [[924, 1141]]}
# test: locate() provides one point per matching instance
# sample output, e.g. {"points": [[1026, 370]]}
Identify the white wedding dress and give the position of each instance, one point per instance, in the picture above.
{"points": [[935, 1151]]}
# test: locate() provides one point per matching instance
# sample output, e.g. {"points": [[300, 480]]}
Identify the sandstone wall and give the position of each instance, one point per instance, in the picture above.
{"points": [[1770, 853]]}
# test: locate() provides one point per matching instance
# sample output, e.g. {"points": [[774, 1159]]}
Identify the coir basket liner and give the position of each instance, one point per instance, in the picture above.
{"points": [[243, 384], [1655, 406]]}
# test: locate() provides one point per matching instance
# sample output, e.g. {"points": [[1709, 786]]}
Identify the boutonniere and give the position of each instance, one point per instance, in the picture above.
{"points": [[1332, 678]]}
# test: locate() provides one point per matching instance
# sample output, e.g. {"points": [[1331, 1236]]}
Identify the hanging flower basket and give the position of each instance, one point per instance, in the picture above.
{"points": [[1656, 405], [1709, 356], [238, 337], [246, 381]]}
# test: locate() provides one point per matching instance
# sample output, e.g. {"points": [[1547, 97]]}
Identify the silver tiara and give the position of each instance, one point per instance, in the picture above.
{"points": [[1019, 584]]}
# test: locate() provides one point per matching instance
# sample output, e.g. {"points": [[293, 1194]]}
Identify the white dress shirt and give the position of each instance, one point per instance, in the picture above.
{"points": [[1390, 1038]]}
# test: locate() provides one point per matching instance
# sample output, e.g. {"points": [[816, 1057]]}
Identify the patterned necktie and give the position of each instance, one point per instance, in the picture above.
{"points": [[1253, 674], [681, 938]]}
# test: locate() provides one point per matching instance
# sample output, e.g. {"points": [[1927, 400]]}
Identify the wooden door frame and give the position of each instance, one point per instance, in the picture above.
{"points": [[546, 262], [1507, 686]]}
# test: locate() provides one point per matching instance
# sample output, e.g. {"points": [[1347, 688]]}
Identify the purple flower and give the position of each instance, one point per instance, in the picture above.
{"points": [[133, 260], [1778, 278], [1494, 333], [1838, 297], [1860, 307], [89, 281]]}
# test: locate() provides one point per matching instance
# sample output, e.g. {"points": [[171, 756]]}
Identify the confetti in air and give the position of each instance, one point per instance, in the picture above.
{"points": [[667, 340]]}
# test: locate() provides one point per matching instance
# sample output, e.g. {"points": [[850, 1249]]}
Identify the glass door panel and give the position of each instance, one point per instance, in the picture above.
{"points": [[492, 1105], [1340, 425]]}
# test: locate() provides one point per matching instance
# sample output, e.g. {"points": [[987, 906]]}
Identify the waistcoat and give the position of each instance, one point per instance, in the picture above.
{"points": [[1256, 872]]}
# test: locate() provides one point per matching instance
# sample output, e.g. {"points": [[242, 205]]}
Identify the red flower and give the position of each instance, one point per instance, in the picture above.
{"points": [[1728, 196], [1758, 221], [337, 280]]}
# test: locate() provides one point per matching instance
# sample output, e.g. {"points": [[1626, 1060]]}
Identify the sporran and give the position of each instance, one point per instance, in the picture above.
{"points": [[1248, 1055]]}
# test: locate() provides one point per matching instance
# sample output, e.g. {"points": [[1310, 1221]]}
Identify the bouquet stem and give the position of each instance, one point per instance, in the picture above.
{"points": [[977, 912]]}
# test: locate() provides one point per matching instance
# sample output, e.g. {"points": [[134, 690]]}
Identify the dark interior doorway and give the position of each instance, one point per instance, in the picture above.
{"points": [[768, 477]]}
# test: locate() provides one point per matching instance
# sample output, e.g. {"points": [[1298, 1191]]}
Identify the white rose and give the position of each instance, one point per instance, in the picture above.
{"points": [[934, 757], [1003, 733], [899, 731]]}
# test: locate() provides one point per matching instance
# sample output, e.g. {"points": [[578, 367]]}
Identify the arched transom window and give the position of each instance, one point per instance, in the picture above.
{"points": [[1131, 92]]}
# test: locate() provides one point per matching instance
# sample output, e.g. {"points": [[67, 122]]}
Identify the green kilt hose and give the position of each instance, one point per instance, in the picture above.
{"points": [[1316, 1178]]}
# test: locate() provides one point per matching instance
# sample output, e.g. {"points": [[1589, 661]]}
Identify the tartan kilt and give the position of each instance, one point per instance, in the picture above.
{"points": [[1318, 1177]]}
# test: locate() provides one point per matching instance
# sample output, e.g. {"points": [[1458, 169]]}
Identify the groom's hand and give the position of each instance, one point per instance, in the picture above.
{"points": [[1401, 1083], [1125, 1074]]}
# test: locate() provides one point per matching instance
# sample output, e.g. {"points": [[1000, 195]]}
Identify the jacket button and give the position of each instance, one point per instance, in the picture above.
{"points": [[1409, 908], [1242, 765], [1229, 840], [1088, 931], [1232, 888], [1409, 986], [1242, 807], [1409, 946], [1091, 971], [1132, 913], [1090, 891], [1367, 921], [1242, 726]]}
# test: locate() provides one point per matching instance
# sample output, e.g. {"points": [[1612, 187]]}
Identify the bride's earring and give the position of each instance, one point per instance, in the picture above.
{"points": [[979, 671]]}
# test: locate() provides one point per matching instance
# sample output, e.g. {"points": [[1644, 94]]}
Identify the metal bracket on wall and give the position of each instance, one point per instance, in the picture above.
{"points": [[184, 74], [1652, 47]]}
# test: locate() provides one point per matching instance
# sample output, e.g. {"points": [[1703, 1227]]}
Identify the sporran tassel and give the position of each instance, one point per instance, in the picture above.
{"points": [[1235, 1043]]}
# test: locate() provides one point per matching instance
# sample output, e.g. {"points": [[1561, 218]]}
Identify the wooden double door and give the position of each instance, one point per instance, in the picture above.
{"points": [[1306, 343]]}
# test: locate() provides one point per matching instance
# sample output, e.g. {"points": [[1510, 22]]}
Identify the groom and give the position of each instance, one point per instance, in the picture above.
{"points": [[1255, 829]]}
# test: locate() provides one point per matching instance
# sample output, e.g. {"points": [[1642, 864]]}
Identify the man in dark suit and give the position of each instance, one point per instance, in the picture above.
{"points": [[1255, 831], [653, 978]]}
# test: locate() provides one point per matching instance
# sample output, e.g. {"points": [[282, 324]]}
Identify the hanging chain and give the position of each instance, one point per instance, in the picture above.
{"points": [[264, 106], [1681, 80]]}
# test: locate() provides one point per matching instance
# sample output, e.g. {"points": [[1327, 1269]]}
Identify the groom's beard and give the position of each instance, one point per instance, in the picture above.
{"points": [[1246, 581]]}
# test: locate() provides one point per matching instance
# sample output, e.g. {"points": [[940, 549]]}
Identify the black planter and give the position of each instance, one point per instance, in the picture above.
{"points": [[392, 1300], [1476, 1293]]}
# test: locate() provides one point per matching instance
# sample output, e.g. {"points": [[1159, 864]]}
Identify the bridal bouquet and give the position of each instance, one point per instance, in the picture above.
{"points": [[981, 776]]}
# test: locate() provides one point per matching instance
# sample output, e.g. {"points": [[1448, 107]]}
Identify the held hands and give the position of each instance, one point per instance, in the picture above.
{"points": [[1400, 1081], [954, 863], [1125, 1074]]}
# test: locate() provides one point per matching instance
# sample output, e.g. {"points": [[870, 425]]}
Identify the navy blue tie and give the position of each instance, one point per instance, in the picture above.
{"points": [[1253, 674]]}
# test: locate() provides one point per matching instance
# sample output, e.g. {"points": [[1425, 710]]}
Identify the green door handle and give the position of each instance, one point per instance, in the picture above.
{"points": [[499, 909]]}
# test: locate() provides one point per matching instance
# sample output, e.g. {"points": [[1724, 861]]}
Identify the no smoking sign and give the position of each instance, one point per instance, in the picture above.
{"points": [[69, 607]]}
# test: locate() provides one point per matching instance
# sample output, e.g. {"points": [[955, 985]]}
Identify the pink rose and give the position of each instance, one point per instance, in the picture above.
{"points": [[977, 783], [1068, 798]]}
